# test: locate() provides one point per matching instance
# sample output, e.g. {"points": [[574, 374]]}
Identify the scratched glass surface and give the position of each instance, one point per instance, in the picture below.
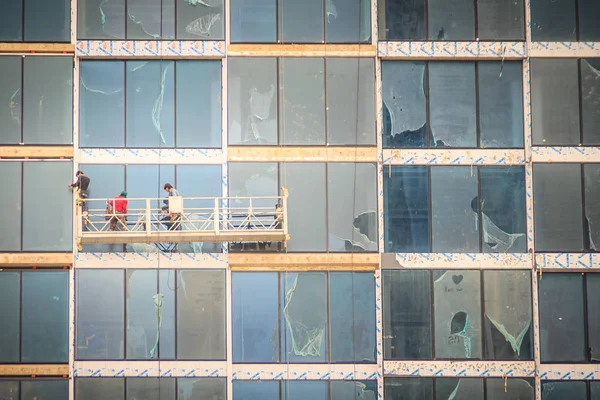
{"points": [[11, 95], [9, 390], [590, 99], [11, 334], [200, 20], [553, 20], [459, 388], [402, 20], [500, 19], [101, 19], [451, 20], [353, 390], [10, 177]]}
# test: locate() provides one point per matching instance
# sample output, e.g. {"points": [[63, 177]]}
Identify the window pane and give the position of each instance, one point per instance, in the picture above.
{"points": [[402, 19], [352, 320], [252, 100], [255, 317], [406, 209], [500, 104], [507, 318], [10, 212], [564, 390], [593, 315], [253, 21], [102, 104], [100, 319], [142, 323], [350, 101], [347, 21], [406, 315], [45, 313], [353, 390], [503, 210], [553, 20], [46, 390], [11, 20], [48, 100], [198, 103], [151, 388], [150, 19], [307, 229], [555, 102], [457, 388], [47, 21], [451, 20], [100, 388], [304, 317], [457, 316], [11, 95], [509, 389], [99, 19], [302, 99], [10, 313], [452, 104], [591, 239], [255, 390], [590, 100], [408, 388], [454, 220], [352, 206], [589, 15], [150, 103], [166, 284], [299, 390], [201, 315], [200, 20], [201, 389], [9, 390], [404, 104], [46, 198], [561, 318], [302, 22], [500, 19], [594, 390], [557, 203]]}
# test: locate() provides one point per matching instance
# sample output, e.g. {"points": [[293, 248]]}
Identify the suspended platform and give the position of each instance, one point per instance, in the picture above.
{"points": [[183, 219]]}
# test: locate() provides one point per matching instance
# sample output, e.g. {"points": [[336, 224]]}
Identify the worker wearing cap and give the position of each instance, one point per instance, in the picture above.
{"points": [[118, 207]]}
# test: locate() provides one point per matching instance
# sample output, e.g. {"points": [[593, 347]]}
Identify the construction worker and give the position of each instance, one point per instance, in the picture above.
{"points": [[171, 221], [82, 183], [118, 208]]}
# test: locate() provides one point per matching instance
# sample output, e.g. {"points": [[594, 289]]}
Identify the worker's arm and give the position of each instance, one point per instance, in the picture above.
{"points": [[76, 184]]}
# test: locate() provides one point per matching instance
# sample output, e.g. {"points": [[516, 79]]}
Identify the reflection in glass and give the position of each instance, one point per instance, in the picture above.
{"points": [[99, 388], [459, 388], [144, 307], [101, 104], [252, 100], [304, 317], [253, 21], [45, 317], [201, 315], [555, 102], [589, 15], [557, 202], [352, 320], [402, 19], [591, 238], [352, 206], [594, 390], [201, 388], [350, 87], [564, 390], [150, 19], [408, 388], [507, 317], [406, 315], [302, 390], [347, 21], [454, 222], [500, 104], [405, 196], [200, 20], [167, 287], [46, 21], [404, 104], [353, 390], [9, 390], [593, 316], [562, 318], [46, 390], [10, 177], [452, 104], [553, 21], [198, 103], [503, 211], [101, 19], [48, 102], [255, 305], [11, 96], [150, 389], [11, 22], [10, 334], [509, 389], [255, 390], [451, 20], [590, 99], [500, 19], [100, 319], [302, 99], [302, 21]]}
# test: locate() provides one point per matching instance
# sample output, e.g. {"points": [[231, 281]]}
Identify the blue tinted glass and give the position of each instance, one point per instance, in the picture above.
{"points": [[353, 390], [253, 21], [10, 177], [301, 390], [151, 388], [201, 388], [256, 390], [352, 320], [11, 19], [101, 19], [150, 19], [589, 15], [553, 20], [45, 304], [590, 98], [564, 390], [150, 104], [304, 317], [200, 20], [47, 21], [46, 390], [167, 330], [408, 388], [102, 104], [402, 19], [142, 324], [255, 317], [9, 313], [100, 388], [347, 21], [198, 103], [10, 91], [503, 210], [301, 22], [407, 211]]}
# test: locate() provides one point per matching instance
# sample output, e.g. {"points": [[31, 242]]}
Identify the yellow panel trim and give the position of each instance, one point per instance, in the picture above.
{"points": [[297, 153], [35, 369], [301, 50], [36, 152], [20, 260], [37, 47], [303, 262]]}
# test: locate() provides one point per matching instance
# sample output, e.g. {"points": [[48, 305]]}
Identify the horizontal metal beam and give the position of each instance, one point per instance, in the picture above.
{"points": [[36, 151], [301, 153], [34, 369], [20, 260], [304, 262], [37, 47], [302, 50], [181, 237]]}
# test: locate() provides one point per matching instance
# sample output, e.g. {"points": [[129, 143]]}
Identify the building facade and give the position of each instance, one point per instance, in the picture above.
{"points": [[442, 161]]}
